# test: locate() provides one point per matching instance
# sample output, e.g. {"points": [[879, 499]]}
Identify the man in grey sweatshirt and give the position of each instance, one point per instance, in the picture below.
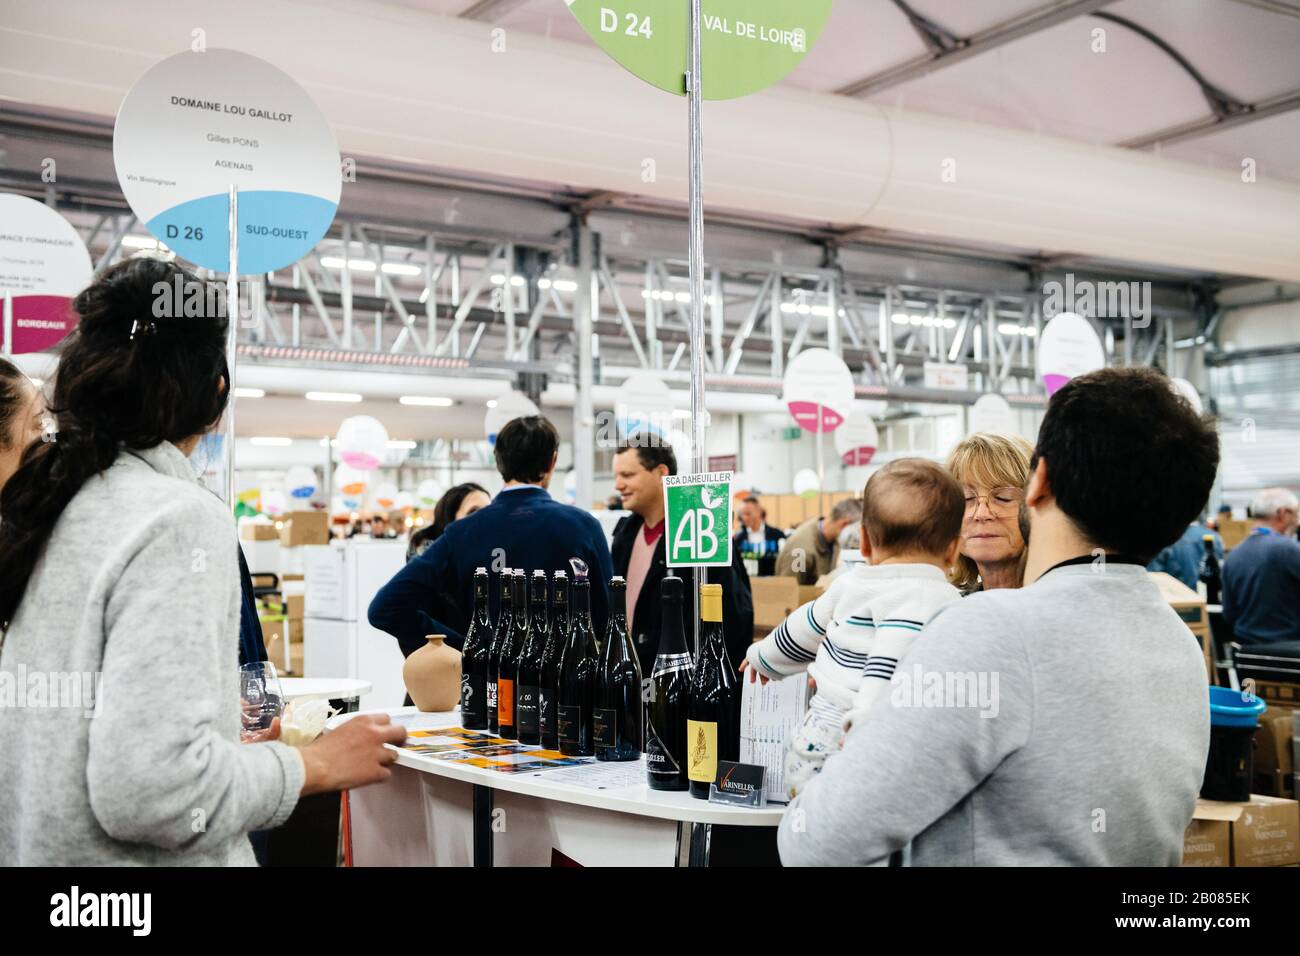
{"points": [[1066, 723]]}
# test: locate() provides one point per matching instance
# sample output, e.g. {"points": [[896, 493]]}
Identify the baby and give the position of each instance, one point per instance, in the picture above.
{"points": [[851, 638]]}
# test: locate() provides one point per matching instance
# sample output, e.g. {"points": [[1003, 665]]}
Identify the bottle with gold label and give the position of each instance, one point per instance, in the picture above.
{"points": [[712, 725]]}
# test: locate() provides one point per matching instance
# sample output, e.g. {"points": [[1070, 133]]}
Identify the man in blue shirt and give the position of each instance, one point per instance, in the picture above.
{"points": [[523, 527], [1261, 578], [1182, 559]]}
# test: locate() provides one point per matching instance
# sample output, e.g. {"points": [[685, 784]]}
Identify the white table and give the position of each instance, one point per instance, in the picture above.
{"points": [[441, 813], [324, 688]]}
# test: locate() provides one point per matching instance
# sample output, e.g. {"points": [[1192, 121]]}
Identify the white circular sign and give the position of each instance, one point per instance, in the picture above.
{"points": [[508, 407], [363, 442], [1069, 347], [405, 500], [818, 390], [274, 501], [643, 403], [198, 123], [386, 496], [992, 413], [428, 493], [43, 265], [351, 485], [300, 482], [807, 484], [858, 440], [1189, 392]]}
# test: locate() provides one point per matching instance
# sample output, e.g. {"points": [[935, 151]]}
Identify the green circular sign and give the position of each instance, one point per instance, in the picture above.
{"points": [[745, 45]]}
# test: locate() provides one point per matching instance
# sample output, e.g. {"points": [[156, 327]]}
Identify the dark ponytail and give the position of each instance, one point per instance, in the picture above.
{"points": [[146, 364]]}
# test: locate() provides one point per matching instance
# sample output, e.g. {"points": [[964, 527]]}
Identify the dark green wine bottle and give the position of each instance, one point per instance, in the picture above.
{"points": [[528, 692], [499, 639], [712, 720], [578, 668], [474, 658], [508, 668], [616, 721], [556, 639], [670, 695]]}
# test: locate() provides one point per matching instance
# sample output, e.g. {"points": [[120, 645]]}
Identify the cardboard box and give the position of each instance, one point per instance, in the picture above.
{"points": [[1274, 765], [263, 557], [1264, 831], [810, 592], [273, 636], [1233, 532], [1207, 843], [1190, 607], [774, 599], [258, 531], [304, 527], [296, 605], [1278, 694]]}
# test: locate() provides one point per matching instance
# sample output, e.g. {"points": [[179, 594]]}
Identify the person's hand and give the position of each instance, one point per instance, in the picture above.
{"points": [[262, 736], [352, 755], [753, 672]]}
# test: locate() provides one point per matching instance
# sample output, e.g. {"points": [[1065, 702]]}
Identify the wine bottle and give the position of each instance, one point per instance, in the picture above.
{"points": [[578, 668], [712, 719], [528, 693], [502, 636], [556, 639], [665, 711], [508, 667], [474, 658], [616, 720], [1209, 573]]}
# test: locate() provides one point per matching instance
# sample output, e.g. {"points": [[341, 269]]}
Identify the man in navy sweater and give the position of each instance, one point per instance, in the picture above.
{"points": [[523, 527], [1261, 578]]}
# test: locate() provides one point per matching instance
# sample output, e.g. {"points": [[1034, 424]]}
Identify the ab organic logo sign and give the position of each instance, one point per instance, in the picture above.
{"points": [[697, 510]]}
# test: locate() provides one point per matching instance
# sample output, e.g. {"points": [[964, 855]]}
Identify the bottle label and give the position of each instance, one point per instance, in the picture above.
{"points": [[491, 697], [471, 697], [569, 723], [658, 758], [670, 663], [528, 710], [604, 727], [702, 750], [505, 702]]}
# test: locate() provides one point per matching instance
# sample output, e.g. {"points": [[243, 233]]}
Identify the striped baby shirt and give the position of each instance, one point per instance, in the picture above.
{"points": [[851, 638]]}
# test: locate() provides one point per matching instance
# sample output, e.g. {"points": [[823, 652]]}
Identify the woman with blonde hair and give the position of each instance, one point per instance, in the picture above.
{"points": [[992, 470]]}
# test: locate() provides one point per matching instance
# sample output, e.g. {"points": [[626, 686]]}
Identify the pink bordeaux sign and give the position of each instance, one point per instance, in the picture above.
{"points": [[43, 265]]}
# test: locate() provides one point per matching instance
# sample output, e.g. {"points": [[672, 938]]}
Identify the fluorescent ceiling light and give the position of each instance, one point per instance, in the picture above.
{"points": [[356, 265], [429, 400], [499, 279], [333, 397], [424, 296], [272, 442], [565, 285], [139, 242], [402, 443], [491, 403], [249, 392], [401, 269]]}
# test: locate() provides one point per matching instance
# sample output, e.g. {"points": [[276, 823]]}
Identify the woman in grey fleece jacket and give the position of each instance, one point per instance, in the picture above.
{"points": [[119, 696]]}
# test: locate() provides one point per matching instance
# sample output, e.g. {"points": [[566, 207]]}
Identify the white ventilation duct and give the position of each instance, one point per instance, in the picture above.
{"points": [[414, 87]]}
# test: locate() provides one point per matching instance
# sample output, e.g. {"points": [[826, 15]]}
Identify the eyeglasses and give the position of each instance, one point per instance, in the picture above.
{"points": [[1001, 502]]}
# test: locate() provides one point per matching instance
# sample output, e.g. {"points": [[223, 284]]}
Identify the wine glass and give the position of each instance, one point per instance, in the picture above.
{"points": [[261, 699]]}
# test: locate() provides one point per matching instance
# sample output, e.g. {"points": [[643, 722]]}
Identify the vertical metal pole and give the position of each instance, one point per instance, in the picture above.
{"points": [[9, 324], [346, 283], [431, 295], [776, 324], [695, 95], [1170, 354], [328, 482], [833, 317], [232, 337], [584, 462]]}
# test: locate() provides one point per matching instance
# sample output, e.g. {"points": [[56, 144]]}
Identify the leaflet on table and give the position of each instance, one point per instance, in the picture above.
{"points": [[769, 715], [487, 751]]}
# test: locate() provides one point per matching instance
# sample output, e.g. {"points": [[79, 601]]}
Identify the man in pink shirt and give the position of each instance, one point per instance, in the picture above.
{"points": [[640, 465]]}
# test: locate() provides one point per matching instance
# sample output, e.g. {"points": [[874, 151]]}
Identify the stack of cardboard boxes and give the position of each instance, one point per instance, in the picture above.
{"points": [[280, 551]]}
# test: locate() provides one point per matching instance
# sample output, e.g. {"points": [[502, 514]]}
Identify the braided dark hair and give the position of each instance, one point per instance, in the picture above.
{"points": [[137, 371]]}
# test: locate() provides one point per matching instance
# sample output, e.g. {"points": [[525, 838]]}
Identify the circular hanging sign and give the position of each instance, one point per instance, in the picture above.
{"points": [[198, 123], [428, 493], [806, 484], [643, 403], [992, 413], [43, 265], [363, 442], [351, 485], [858, 440], [301, 482], [818, 390], [508, 407], [745, 45], [1069, 347]]}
